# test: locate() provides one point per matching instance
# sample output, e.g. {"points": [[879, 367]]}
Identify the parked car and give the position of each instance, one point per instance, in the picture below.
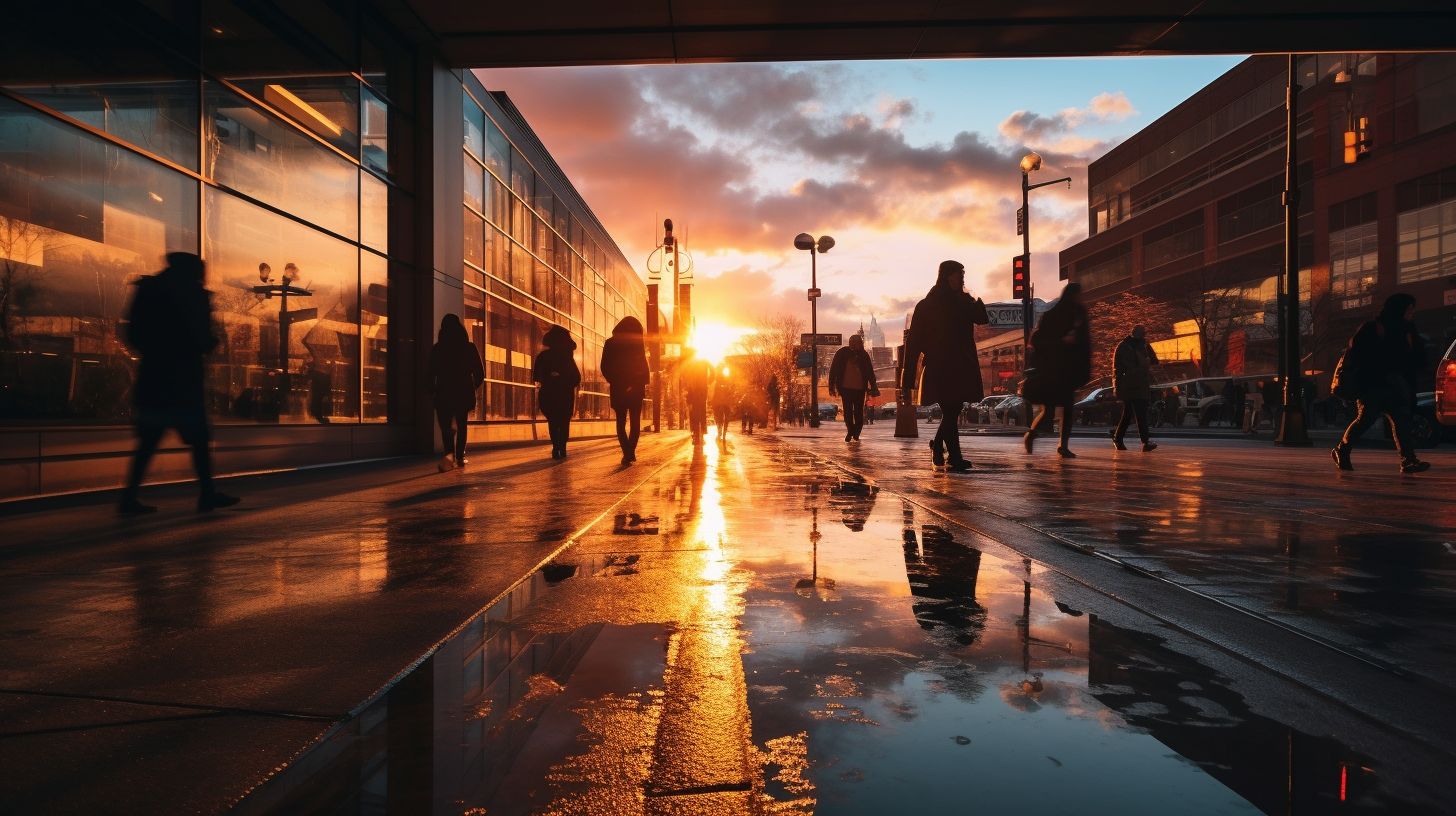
{"points": [[1099, 407], [1445, 394], [1011, 406], [828, 410], [1427, 430], [887, 411], [1202, 397], [986, 408]]}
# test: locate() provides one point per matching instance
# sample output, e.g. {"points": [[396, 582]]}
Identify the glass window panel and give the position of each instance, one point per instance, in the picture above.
{"points": [[256, 154], [474, 185], [474, 127], [160, 117], [541, 199], [499, 211], [293, 359], [375, 150], [520, 222], [374, 334], [80, 220], [328, 106], [497, 257], [523, 329], [474, 238], [497, 150], [498, 338], [474, 319], [521, 263], [373, 212], [541, 287], [521, 175]]}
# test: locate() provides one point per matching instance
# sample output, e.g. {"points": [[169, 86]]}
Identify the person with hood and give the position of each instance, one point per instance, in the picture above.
{"points": [[942, 331], [697, 376], [169, 326], [556, 372], [1061, 363], [455, 375], [624, 365], [1132, 382], [851, 378], [1380, 370]]}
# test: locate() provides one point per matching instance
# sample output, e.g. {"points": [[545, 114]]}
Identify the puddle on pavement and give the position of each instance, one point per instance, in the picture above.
{"points": [[761, 636]]}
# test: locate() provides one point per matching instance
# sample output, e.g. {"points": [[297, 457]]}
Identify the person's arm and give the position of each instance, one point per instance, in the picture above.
{"points": [[538, 368], [836, 370], [573, 374], [477, 368]]}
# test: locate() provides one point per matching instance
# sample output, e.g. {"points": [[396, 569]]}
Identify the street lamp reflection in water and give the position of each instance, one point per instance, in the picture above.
{"points": [[814, 586]]}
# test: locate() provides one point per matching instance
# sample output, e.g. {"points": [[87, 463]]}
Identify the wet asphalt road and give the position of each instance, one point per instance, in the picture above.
{"points": [[757, 631]]}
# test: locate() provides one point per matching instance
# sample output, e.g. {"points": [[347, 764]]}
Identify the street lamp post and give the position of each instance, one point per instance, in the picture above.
{"points": [[807, 242], [1030, 163], [1292, 430]]}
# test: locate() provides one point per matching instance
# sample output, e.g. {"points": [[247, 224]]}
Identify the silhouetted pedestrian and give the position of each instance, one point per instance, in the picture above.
{"points": [[1271, 394], [169, 326], [1132, 382], [851, 378], [455, 375], [556, 371], [725, 397], [774, 401], [697, 376], [942, 330], [624, 365], [1380, 369], [1062, 358]]}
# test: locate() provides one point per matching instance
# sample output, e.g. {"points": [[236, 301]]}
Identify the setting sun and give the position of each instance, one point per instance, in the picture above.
{"points": [[714, 341]]}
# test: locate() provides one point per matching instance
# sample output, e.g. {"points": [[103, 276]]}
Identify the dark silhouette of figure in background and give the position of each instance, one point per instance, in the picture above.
{"points": [[1062, 349], [1233, 401], [1383, 362], [852, 377], [724, 398], [169, 326], [455, 375], [775, 399], [558, 375], [697, 376], [942, 329], [624, 365], [1132, 382]]}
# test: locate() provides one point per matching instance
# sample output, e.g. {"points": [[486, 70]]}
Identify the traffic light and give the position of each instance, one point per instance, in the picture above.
{"points": [[1357, 141], [1018, 278]]}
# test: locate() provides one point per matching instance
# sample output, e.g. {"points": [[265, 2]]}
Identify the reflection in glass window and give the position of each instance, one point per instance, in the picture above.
{"points": [[1354, 266], [374, 333], [79, 221], [474, 127], [293, 359], [373, 212], [375, 143], [328, 106], [497, 151], [474, 184], [159, 117], [1426, 242], [255, 154]]}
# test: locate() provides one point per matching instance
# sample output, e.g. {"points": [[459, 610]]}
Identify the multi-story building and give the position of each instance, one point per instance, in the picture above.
{"points": [[1189, 210], [312, 155]]}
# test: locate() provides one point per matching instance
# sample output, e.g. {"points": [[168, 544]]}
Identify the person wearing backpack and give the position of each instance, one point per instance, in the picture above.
{"points": [[1379, 370]]}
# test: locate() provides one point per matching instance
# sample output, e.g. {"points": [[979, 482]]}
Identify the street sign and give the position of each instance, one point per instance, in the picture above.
{"points": [[823, 339], [815, 293], [1004, 317], [1020, 220], [804, 359]]}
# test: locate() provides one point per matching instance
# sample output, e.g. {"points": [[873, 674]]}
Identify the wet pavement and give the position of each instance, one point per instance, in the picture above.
{"points": [[755, 630]]}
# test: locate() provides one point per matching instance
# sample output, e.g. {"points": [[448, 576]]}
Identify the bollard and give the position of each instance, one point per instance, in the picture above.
{"points": [[905, 427]]}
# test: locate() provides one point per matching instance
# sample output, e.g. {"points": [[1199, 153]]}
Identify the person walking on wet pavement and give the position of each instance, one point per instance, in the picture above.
{"points": [[942, 331], [169, 326], [1132, 382], [1062, 363], [697, 376], [624, 365], [1380, 369], [556, 371], [775, 399], [851, 378], [724, 400], [455, 375]]}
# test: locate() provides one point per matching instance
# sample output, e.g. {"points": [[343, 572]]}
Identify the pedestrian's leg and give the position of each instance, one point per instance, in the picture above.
{"points": [[462, 436], [148, 438], [1398, 414], [1066, 425], [1365, 416], [199, 439], [636, 429], [1140, 410], [622, 441], [950, 436], [1126, 419], [447, 435]]}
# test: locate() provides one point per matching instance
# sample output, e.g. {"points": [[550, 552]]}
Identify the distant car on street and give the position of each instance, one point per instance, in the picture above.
{"points": [[1009, 407], [887, 411], [1445, 394], [1427, 430], [1099, 407], [986, 408], [828, 411]]}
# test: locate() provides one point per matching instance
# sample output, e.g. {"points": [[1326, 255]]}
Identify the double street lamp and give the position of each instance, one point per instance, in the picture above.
{"points": [[1030, 163], [814, 247]]}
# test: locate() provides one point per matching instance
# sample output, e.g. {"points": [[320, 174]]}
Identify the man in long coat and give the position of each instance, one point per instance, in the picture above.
{"points": [[942, 330]]}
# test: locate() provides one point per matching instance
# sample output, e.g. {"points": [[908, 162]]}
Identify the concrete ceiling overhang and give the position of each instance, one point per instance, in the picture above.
{"points": [[583, 32]]}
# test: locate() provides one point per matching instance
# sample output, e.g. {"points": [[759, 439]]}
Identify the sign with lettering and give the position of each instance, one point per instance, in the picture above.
{"points": [[1004, 317], [823, 339]]}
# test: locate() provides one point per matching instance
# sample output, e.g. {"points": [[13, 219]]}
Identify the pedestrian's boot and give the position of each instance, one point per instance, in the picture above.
{"points": [[1414, 465], [1065, 452], [1147, 446], [1117, 443], [1341, 455], [959, 466], [129, 506], [937, 453], [208, 502]]}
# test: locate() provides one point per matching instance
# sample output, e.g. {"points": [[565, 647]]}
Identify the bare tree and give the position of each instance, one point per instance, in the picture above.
{"points": [[21, 244], [1216, 311], [769, 352], [1112, 320]]}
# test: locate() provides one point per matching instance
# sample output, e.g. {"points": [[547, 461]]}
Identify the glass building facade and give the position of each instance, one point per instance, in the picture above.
{"points": [[344, 187]]}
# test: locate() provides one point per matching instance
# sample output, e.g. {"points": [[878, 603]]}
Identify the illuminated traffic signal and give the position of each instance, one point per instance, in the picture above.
{"points": [[1019, 289], [1357, 141]]}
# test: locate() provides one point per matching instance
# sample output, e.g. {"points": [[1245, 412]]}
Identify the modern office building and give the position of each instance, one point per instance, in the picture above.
{"points": [[312, 154], [1189, 210]]}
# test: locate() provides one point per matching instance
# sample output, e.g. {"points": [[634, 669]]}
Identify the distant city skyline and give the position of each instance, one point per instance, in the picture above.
{"points": [[904, 163]]}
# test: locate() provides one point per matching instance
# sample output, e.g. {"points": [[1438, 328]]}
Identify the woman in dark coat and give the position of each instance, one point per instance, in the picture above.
{"points": [[558, 375], [942, 330], [1062, 358], [1383, 364], [455, 375], [624, 365], [852, 378]]}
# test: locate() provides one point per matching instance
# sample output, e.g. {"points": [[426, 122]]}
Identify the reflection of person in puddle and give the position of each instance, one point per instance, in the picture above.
{"points": [[855, 501], [942, 575]]}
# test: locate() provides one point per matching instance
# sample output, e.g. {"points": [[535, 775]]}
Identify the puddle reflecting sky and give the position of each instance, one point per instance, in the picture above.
{"points": [[780, 639]]}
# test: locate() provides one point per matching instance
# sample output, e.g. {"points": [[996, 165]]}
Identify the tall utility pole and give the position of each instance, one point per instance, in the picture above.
{"points": [[1030, 163], [1292, 429], [805, 241]]}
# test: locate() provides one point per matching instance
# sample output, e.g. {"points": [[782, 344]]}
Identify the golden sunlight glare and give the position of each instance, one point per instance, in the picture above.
{"points": [[714, 341]]}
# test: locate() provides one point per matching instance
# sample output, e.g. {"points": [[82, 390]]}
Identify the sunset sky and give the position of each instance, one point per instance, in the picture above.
{"points": [[904, 163]]}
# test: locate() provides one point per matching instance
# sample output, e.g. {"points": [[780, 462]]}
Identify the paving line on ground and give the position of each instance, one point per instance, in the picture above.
{"points": [[384, 689], [201, 707]]}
